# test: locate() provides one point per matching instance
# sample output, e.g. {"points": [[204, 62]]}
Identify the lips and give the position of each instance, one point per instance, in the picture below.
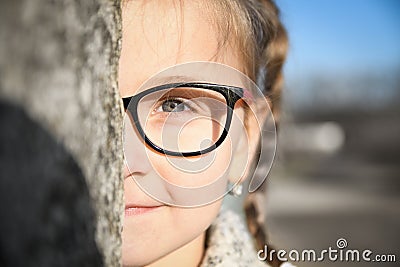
{"points": [[134, 209]]}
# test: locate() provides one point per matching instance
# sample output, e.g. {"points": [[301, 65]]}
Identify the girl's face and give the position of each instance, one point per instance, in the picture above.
{"points": [[158, 35]]}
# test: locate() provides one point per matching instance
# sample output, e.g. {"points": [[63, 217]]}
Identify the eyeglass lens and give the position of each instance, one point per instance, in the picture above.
{"points": [[183, 119]]}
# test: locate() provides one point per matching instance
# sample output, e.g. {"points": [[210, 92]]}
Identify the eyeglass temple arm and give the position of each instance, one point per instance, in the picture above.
{"points": [[126, 101]]}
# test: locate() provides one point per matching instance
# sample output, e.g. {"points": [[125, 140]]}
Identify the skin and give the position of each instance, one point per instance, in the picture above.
{"points": [[154, 39]]}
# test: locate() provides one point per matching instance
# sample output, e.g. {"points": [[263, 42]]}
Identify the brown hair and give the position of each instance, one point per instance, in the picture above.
{"points": [[254, 26], [271, 42]]}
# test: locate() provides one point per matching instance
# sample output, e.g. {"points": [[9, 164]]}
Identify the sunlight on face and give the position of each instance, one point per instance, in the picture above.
{"points": [[155, 38]]}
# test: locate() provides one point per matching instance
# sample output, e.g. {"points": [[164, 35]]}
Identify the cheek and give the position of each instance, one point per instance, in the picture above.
{"points": [[205, 169], [194, 171], [194, 221], [190, 182]]}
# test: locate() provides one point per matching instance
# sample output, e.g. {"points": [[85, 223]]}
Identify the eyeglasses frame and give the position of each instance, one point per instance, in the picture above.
{"points": [[231, 94]]}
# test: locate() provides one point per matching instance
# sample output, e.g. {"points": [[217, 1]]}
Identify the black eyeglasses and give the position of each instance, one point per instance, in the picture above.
{"points": [[183, 119]]}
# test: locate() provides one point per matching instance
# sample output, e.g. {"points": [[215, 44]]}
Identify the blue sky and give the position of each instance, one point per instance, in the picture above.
{"points": [[340, 36]]}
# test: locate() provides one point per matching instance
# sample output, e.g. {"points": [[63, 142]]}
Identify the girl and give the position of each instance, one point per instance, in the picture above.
{"points": [[193, 123]]}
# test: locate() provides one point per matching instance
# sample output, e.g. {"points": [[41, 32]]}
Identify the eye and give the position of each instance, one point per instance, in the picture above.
{"points": [[173, 105]]}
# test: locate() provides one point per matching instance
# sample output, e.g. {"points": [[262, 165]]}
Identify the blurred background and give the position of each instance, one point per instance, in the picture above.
{"points": [[337, 172]]}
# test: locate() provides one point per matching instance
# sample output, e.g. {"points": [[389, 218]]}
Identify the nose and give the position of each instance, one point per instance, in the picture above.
{"points": [[136, 158]]}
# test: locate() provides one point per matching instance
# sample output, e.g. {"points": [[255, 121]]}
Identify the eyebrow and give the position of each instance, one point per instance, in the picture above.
{"points": [[186, 79], [173, 79]]}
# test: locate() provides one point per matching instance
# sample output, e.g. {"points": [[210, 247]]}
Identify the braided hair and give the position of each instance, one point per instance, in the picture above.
{"points": [[269, 55]]}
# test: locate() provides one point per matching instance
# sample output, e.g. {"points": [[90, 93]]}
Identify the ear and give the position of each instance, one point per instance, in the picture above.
{"points": [[240, 159], [247, 148]]}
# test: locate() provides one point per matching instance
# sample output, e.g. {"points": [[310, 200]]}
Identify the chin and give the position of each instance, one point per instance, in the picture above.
{"points": [[137, 255], [134, 260]]}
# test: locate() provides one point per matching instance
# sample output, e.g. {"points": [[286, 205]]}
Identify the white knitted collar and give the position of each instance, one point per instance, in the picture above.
{"points": [[230, 244]]}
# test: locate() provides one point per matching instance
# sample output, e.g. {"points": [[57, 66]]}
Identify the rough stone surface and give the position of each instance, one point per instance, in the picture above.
{"points": [[46, 215], [58, 61]]}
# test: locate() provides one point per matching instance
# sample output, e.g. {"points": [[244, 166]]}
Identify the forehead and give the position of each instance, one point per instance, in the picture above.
{"points": [[161, 34]]}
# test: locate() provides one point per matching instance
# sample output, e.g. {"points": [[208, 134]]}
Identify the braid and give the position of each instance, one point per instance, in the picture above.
{"points": [[270, 43], [276, 55]]}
